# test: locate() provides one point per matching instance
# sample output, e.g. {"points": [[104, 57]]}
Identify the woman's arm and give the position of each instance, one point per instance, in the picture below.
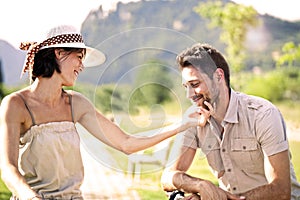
{"points": [[111, 134], [11, 118]]}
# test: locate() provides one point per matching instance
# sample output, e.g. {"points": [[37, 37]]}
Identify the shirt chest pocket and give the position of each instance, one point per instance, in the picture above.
{"points": [[211, 149], [210, 144], [246, 154]]}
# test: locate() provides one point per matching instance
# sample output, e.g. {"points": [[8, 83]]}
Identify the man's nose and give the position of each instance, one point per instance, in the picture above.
{"points": [[189, 92]]}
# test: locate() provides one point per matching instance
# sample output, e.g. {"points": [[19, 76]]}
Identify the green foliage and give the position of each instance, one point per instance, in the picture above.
{"points": [[265, 85], [153, 85], [291, 81], [292, 116], [295, 149], [149, 194], [1, 91], [290, 55], [275, 85], [5, 90], [234, 20], [108, 99], [5, 194]]}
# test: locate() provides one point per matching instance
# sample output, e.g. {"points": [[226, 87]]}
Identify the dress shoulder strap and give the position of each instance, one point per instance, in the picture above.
{"points": [[71, 105], [27, 107]]}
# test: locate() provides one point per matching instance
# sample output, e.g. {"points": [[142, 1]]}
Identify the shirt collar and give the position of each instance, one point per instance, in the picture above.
{"points": [[231, 115]]}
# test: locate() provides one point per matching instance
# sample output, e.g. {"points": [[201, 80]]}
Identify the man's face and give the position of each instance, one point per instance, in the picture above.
{"points": [[198, 86]]}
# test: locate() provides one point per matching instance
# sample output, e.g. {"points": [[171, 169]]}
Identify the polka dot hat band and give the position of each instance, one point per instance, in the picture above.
{"points": [[34, 47]]}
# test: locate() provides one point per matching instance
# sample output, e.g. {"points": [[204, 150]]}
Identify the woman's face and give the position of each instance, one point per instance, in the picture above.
{"points": [[70, 65]]}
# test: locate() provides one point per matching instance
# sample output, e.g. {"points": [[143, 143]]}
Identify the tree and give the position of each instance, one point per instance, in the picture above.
{"points": [[233, 19], [153, 84], [290, 54]]}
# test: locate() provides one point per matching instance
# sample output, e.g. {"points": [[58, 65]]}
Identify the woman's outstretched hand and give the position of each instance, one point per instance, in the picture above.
{"points": [[204, 114], [196, 116]]}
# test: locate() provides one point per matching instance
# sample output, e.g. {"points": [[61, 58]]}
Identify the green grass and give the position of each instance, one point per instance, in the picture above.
{"points": [[4, 192], [291, 112], [295, 149], [149, 194]]}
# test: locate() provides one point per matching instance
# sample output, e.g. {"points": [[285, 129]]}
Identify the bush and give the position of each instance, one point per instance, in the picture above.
{"points": [[270, 86], [292, 82], [276, 85]]}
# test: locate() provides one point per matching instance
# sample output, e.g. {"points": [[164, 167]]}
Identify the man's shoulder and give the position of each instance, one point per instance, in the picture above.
{"points": [[254, 102]]}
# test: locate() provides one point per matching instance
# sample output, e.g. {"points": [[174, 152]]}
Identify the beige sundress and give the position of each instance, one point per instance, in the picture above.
{"points": [[50, 159]]}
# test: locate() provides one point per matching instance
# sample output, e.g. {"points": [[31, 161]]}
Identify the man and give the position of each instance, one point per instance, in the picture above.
{"points": [[244, 139]]}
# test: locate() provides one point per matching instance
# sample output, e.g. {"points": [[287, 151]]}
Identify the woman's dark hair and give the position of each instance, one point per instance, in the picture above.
{"points": [[45, 62]]}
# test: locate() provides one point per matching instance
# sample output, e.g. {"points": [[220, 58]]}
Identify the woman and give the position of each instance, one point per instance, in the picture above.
{"points": [[40, 155]]}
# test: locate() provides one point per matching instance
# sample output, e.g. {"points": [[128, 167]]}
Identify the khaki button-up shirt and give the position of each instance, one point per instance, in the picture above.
{"points": [[253, 128]]}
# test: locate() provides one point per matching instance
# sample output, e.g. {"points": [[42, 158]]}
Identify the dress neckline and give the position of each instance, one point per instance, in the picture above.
{"points": [[47, 124]]}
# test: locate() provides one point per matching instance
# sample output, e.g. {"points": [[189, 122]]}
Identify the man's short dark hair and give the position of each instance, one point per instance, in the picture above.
{"points": [[205, 58]]}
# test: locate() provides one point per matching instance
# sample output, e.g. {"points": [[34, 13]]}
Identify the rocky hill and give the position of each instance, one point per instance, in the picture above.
{"points": [[145, 30]]}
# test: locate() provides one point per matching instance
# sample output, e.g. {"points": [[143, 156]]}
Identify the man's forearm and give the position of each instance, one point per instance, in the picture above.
{"points": [[179, 180], [187, 183], [204, 188], [269, 192]]}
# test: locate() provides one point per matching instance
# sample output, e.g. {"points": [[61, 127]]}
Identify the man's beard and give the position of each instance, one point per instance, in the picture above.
{"points": [[203, 99]]}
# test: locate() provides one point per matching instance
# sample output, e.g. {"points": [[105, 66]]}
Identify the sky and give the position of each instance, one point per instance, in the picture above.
{"points": [[28, 20]]}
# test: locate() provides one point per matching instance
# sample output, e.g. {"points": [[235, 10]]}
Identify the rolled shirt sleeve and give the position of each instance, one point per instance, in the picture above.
{"points": [[271, 131]]}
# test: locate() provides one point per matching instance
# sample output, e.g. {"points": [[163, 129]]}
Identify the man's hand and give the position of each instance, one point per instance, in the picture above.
{"points": [[208, 191], [199, 114]]}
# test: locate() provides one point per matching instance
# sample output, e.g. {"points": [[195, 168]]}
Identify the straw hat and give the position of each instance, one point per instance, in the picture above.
{"points": [[62, 36]]}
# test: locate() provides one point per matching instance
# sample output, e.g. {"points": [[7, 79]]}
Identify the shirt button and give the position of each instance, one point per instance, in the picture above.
{"points": [[223, 150], [209, 146], [229, 170], [244, 147], [234, 188]]}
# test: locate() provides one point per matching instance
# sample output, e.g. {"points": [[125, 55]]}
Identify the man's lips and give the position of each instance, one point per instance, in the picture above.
{"points": [[197, 97]]}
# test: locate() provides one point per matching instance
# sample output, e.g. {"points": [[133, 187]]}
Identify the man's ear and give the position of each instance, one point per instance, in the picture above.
{"points": [[219, 74]]}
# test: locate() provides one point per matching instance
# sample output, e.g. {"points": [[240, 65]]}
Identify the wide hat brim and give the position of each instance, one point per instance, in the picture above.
{"points": [[93, 56]]}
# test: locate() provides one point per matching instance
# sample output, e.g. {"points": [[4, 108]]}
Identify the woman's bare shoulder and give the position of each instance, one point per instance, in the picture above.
{"points": [[77, 96], [13, 103], [14, 98], [81, 104]]}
